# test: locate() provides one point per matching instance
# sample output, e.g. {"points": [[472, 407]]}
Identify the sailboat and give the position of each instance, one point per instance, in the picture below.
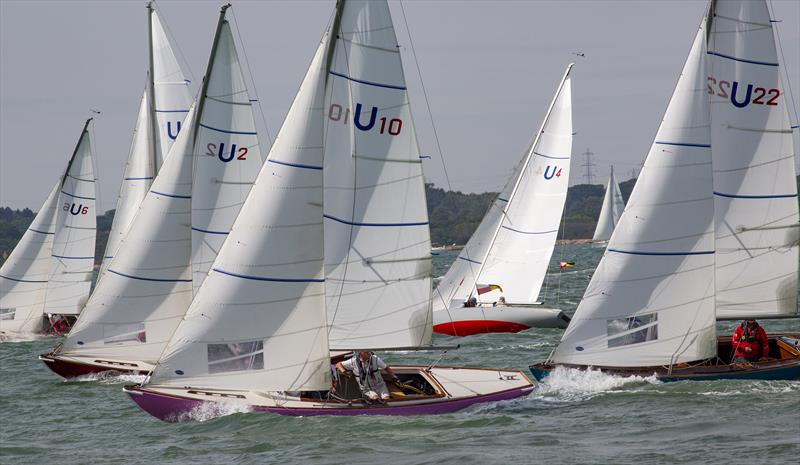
{"points": [[504, 263], [613, 205], [330, 254], [163, 107], [49, 273], [179, 227], [711, 228]]}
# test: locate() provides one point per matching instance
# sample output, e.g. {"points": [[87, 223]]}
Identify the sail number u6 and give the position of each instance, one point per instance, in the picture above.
{"points": [[742, 95], [391, 126]]}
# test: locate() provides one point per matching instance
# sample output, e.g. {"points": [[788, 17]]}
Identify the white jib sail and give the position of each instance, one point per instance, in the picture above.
{"points": [[228, 155], [139, 174], [258, 320], [172, 100], [75, 233], [613, 206], [518, 259], [147, 288], [651, 299], [460, 280], [24, 274], [754, 177], [171, 91], [377, 241]]}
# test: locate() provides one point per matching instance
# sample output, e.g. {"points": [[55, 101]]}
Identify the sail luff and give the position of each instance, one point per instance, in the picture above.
{"points": [[150, 92], [25, 273], [75, 233], [377, 241], [258, 321], [755, 190], [504, 211], [651, 300]]}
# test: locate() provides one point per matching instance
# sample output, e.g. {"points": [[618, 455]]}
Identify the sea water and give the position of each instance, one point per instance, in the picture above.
{"points": [[574, 417]]}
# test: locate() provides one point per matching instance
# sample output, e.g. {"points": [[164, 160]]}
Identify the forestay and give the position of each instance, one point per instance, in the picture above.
{"points": [[155, 131], [76, 229], [259, 318], [757, 230], [519, 257], [611, 210], [228, 155], [651, 299], [24, 274], [377, 241], [147, 288]]}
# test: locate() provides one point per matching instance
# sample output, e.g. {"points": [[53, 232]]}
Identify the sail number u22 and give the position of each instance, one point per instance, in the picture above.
{"points": [[391, 126], [740, 95]]}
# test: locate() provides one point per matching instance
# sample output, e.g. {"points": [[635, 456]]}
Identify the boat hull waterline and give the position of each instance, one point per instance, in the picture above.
{"points": [[174, 404], [467, 321], [783, 364], [72, 367]]}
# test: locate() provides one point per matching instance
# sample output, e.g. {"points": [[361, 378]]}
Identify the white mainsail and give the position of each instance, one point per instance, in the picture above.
{"points": [[171, 98], [135, 307], [757, 230], [515, 240], [24, 274], [229, 157], [377, 240], [613, 205], [259, 318], [148, 288], [651, 299], [161, 113], [72, 254]]}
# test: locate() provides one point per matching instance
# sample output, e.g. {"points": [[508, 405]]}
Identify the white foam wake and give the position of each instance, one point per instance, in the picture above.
{"points": [[211, 410], [570, 384], [110, 377]]}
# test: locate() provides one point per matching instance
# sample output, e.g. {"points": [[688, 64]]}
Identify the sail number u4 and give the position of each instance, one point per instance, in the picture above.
{"points": [[391, 126], [740, 95]]}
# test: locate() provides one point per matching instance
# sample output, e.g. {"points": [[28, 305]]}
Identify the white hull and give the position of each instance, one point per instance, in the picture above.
{"points": [[464, 321]]}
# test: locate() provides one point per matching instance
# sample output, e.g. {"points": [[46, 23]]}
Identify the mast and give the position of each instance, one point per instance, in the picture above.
{"points": [[201, 100], [151, 90], [75, 151], [504, 211]]}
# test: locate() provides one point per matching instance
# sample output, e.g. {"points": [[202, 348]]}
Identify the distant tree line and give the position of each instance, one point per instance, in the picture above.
{"points": [[453, 216]]}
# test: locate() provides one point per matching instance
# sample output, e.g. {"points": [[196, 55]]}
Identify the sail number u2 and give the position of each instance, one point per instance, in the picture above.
{"points": [[734, 91], [391, 126]]}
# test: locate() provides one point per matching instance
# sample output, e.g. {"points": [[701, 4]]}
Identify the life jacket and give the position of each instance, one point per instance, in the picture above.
{"points": [[747, 335], [365, 371]]}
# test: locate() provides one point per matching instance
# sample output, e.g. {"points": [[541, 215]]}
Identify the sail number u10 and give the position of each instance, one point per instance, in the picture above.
{"points": [[391, 126]]}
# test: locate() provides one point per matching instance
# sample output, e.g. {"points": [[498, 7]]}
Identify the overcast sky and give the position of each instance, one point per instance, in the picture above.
{"points": [[489, 67]]}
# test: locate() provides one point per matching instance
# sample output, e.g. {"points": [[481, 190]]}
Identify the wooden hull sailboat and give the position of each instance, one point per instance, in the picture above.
{"points": [[330, 253], [783, 363], [511, 249], [181, 221], [422, 391], [711, 228]]}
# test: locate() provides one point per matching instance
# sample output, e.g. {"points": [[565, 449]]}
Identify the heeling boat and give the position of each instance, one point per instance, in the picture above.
{"points": [[164, 105], [330, 253], [612, 208], [652, 304], [510, 251], [50, 269], [193, 201]]}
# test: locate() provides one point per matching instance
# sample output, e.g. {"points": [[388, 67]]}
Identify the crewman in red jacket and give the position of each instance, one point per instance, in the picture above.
{"points": [[750, 342]]}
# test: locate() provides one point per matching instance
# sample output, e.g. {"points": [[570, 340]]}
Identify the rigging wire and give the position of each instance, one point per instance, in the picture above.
{"points": [[252, 79]]}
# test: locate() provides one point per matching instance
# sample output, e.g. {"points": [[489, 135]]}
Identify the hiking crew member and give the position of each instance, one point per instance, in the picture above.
{"points": [[750, 342], [367, 368]]}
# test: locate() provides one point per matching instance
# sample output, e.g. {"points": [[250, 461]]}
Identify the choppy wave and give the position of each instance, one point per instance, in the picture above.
{"points": [[24, 337]]}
